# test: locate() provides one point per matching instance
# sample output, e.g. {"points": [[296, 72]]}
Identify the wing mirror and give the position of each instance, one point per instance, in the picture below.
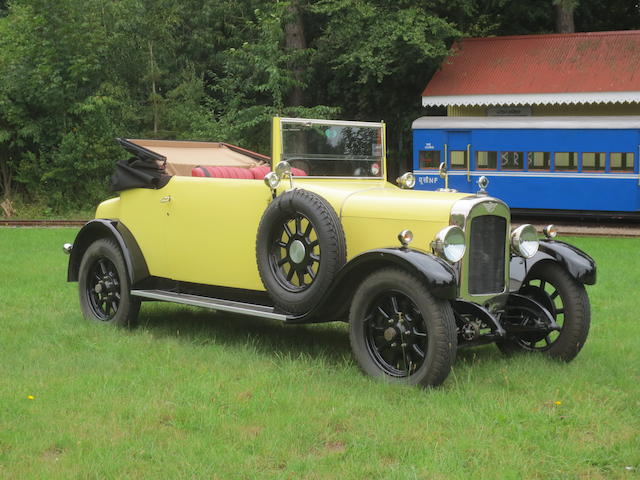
{"points": [[283, 170], [406, 180]]}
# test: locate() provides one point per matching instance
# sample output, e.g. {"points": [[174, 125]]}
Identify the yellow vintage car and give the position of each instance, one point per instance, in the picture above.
{"points": [[316, 233]]}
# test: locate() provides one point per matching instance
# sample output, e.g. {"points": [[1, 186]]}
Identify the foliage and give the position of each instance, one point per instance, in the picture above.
{"points": [[74, 74], [53, 93], [377, 52]]}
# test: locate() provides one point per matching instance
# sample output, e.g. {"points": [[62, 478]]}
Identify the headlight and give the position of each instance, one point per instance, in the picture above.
{"points": [[550, 231], [406, 180], [449, 244], [272, 180], [405, 237], [524, 241]]}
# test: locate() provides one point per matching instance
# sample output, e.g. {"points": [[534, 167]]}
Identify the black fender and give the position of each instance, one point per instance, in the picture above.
{"points": [[104, 228], [438, 275], [579, 265]]}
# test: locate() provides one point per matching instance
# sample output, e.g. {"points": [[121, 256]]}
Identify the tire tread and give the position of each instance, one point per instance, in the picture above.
{"points": [[441, 323]]}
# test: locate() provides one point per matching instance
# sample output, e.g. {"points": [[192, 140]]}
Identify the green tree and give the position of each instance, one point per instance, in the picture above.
{"points": [[258, 77], [52, 55], [375, 58]]}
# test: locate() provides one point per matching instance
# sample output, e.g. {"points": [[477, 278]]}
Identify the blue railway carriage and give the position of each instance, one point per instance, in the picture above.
{"points": [[555, 163]]}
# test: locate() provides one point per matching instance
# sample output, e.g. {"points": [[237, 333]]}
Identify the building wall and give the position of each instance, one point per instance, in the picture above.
{"points": [[559, 110]]}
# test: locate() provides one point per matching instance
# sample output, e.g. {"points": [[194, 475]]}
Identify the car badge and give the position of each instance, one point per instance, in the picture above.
{"points": [[490, 206]]}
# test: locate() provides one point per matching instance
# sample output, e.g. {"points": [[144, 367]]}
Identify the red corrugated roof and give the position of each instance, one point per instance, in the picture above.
{"points": [[562, 63]]}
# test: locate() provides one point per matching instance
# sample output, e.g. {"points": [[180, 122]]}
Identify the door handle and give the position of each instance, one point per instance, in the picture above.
{"points": [[446, 159], [468, 162], [165, 199]]}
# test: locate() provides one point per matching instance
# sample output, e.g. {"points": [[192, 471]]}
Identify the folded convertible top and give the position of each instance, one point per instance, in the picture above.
{"points": [[155, 161]]}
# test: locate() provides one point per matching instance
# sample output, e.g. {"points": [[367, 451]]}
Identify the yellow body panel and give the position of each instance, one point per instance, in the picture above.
{"points": [[213, 228], [109, 208], [374, 212], [374, 218], [203, 232], [144, 213]]}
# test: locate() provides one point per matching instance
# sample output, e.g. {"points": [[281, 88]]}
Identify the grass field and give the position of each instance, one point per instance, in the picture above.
{"points": [[195, 394]]}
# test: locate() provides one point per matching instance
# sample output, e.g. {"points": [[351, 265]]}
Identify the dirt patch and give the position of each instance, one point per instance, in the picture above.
{"points": [[53, 454], [335, 447]]}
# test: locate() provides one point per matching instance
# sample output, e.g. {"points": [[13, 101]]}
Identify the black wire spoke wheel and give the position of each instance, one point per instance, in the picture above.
{"points": [[551, 286], [396, 334], [103, 289], [104, 285], [399, 331], [295, 253]]}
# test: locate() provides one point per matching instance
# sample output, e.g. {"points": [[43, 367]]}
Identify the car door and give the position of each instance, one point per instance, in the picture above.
{"points": [[144, 212], [211, 230], [459, 161]]}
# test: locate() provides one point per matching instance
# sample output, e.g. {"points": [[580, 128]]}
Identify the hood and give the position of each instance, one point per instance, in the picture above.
{"points": [[395, 204]]}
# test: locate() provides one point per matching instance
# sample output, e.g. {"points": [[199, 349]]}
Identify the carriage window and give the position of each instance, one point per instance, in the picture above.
{"points": [[512, 160], [458, 159], [621, 162], [593, 162], [429, 158], [566, 161], [486, 160], [538, 160]]}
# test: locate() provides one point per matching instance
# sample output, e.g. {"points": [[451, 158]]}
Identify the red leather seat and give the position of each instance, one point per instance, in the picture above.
{"points": [[260, 171], [255, 173], [222, 172]]}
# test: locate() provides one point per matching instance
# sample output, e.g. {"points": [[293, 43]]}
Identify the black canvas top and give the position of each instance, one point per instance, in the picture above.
{"points": [[146, 169]]}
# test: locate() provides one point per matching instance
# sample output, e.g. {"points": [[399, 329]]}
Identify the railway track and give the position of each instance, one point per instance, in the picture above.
{"points": [[41, 223], [579, 229], [587, 229]]}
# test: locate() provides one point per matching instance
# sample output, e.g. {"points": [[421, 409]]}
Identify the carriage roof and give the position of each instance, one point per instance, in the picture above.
{"points": [[595, 122]]}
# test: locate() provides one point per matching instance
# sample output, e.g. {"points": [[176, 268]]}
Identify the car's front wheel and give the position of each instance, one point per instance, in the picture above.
{"points": [[399, 331], [566, 299], [104, 285]]}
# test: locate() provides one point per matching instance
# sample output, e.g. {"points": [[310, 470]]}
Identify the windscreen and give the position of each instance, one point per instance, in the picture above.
{"points": [[330, 150]]}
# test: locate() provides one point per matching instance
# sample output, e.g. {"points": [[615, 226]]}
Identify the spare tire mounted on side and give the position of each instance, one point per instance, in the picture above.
{"points": [[300, 248]]}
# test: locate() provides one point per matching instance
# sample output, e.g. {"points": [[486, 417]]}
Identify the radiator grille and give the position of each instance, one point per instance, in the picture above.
{"points": [[486, 254]]}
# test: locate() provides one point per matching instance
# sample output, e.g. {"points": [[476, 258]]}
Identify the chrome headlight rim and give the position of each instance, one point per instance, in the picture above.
{"points": [[272, 180], [450, 244], [550, 231], [524, 241], [405, 237]]}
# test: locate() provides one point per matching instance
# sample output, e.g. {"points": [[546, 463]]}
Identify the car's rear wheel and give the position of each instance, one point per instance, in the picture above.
{"points": [[399, 331], [565, 298], [300, 248], [104, 285]]}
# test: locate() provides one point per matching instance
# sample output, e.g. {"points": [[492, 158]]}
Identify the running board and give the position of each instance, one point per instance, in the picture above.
{"points": [[217, 304]]}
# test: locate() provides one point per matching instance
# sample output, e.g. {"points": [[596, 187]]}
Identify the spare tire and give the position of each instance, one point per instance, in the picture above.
{"points": [[300, 248]]}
